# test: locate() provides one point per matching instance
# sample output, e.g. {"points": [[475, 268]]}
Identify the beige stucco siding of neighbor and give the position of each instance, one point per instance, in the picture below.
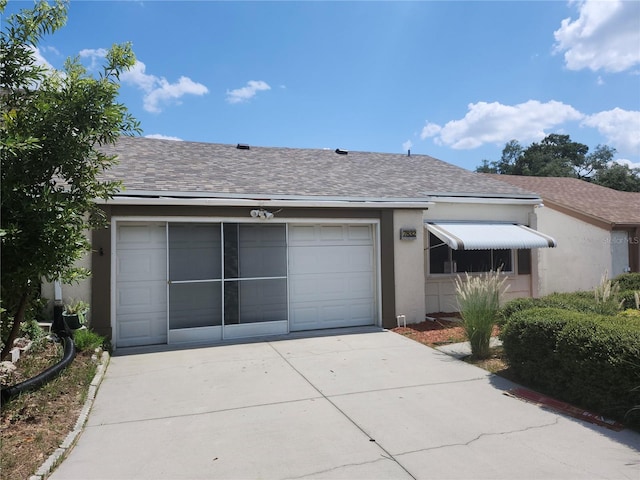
{"points": [[585, 253], [597, 229]]}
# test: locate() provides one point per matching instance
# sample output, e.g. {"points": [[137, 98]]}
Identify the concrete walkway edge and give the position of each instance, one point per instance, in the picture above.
{"points": [[70, 440]]}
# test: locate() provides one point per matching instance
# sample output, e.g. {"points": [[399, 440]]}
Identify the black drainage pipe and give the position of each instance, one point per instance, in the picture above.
{"points": [[46, 375]]}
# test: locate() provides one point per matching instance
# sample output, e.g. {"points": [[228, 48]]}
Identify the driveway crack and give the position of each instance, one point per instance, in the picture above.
{"points": [[387, 454], [311, 474], [495, 434]]}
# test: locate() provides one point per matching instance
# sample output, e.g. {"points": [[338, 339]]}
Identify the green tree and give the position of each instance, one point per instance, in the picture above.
{"points": [[52, 127], [619, 177], [511, 157], [555, 156], [595, 162], [559, 156]]}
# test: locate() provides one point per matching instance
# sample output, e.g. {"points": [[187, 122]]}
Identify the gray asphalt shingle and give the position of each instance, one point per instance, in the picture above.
{"points": [[152, 165]]}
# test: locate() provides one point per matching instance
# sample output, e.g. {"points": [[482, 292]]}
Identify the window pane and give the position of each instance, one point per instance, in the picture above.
{"points": [[524, 262], [263, 251], [472, 260], [195, 305], [502, 260], [194, 251], [438, 255], [250, 301]]}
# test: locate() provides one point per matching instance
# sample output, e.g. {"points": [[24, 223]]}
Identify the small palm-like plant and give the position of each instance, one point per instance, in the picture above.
{"points": [[479, 302]]}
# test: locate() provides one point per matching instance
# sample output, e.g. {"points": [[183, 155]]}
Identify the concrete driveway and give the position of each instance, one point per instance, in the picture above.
{"points": [[364, 405]]}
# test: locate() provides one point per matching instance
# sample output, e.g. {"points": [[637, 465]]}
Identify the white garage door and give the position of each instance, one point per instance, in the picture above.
{"points": [[141, 284], [331, 276]]}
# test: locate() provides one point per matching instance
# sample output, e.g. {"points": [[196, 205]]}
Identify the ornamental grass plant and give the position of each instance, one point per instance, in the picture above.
{"points": [[479, 301]]}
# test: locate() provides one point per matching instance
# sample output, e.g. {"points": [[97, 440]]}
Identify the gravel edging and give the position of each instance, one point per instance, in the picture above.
{"points": [[70, 440]]}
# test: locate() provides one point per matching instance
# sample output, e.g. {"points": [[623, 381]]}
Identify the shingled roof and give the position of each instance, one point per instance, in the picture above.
{"points": [[164, 167], [581, 197]]}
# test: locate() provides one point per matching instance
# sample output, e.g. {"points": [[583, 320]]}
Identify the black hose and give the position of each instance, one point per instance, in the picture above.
{"points": [[46, 375]]}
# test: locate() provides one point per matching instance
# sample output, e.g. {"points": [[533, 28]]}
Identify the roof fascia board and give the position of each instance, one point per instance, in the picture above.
{"points": [[474, 196], [489, 200], [261, 196], [246, 202]]}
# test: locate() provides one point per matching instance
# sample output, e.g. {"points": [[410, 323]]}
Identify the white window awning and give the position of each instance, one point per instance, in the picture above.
{"points": [[485, 235]]}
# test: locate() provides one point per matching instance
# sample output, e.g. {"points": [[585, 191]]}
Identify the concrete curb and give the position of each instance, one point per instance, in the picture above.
{"points": [[70, 440]]}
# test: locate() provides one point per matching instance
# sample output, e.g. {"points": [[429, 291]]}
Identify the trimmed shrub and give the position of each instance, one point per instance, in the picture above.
{"points": [[576, 301], [628, 298], [529, 341], [588, 360], [628, 281]]}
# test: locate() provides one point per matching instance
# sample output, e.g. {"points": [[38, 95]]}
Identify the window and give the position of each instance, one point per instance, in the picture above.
{"points": [[443, 259]]}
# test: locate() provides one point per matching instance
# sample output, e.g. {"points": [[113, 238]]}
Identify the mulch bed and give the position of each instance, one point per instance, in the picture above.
{"points": [[445, 328]]}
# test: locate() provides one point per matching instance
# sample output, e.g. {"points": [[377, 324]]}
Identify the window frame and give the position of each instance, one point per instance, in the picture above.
{"points": [[513, 253]]}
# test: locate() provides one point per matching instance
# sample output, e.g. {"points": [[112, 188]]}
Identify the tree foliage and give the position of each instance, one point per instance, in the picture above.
{"points": [[53, 125], [558, 156]]}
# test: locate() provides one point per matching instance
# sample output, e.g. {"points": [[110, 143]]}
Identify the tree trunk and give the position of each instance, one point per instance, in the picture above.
{"points": [[15, 328]]}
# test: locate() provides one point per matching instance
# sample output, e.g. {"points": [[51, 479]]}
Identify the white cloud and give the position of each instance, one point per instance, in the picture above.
{"points": [[40, 60], [620, 127], [497, 123], [246, 93], [430, 130], [407, 145], [158, 90], [604, 36], [159, 136], [628, 163], [94, 54]]}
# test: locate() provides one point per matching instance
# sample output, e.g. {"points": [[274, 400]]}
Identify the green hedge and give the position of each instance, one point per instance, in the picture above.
{"points": [[577, 301], [628, 281], [629, 299], [587, 360]]}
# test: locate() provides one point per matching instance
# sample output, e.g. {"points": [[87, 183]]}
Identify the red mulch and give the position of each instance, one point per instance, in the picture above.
{"points": [[438, 331]]}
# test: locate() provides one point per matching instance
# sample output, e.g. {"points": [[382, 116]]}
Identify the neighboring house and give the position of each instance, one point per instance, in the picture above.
{"points": [[597, 229], [210, 242]]}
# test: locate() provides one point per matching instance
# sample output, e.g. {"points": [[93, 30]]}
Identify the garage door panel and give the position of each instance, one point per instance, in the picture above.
{"points": [[132, 265], [141, 285], [330, 259], [134, 297], [348, 286], [332, 314], [326, 235], [141, 236], [142, 329], [331, 276]]}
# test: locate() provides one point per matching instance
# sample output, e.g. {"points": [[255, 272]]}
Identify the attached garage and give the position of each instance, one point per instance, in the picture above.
{"points": [[210, 242], [180, 281]]}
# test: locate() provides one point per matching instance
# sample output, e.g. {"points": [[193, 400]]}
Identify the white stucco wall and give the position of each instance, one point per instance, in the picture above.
{"points": [[439, 290], [582, 256], [479, 212], [409, 266], [76, 291]]}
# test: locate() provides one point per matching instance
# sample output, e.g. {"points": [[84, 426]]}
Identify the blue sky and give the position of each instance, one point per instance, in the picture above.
{"points": [[455, 80]]}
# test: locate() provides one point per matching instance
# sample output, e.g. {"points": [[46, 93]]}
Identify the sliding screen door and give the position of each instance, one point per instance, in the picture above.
{"points": [[195, 282]]}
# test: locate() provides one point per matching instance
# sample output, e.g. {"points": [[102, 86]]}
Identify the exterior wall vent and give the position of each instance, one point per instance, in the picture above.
{"points": [[243, 146], [339, 151]]}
